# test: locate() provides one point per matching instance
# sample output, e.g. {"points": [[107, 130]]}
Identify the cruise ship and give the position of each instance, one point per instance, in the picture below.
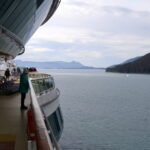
{"points": [[40, 127]]}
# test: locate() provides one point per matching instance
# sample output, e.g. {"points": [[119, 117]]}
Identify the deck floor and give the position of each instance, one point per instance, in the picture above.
{"points": [[12, 123]]}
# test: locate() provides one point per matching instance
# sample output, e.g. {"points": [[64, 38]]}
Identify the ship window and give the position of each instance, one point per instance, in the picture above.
{"points": [[60, 115], [53, 120], [39, 2]]}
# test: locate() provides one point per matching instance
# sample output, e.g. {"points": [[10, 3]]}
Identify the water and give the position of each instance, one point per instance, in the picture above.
{"points": [[104, 111]]}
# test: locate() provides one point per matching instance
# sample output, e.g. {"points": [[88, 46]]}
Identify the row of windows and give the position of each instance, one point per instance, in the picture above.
{"points": [[41, 85], [56, 122]]}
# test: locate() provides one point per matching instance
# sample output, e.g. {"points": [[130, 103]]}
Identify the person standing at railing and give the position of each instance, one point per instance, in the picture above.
{"points": [[24, 87], [7, 74]]}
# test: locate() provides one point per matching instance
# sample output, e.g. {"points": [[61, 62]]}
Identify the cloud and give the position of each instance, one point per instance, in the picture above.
{"points": [[32, 49], [110, 17], [98, 33], [131, 4], [64, 35], [83, 54]]}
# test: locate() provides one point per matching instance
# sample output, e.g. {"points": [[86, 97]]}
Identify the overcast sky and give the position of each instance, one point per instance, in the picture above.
{"points": [[94, 32]]}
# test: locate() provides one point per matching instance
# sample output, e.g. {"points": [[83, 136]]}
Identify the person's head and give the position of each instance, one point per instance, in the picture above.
{"points": [[25, 70]]}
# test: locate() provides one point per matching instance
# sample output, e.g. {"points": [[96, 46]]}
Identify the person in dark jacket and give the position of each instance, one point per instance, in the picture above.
{"points": [[7, 74], [24, 87]]}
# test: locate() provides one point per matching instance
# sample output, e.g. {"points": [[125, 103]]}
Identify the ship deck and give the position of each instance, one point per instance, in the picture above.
{"points": [[12, 123]]}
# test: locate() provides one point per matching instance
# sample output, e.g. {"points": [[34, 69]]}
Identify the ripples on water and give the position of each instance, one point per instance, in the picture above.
{"points": [[104, 111]]}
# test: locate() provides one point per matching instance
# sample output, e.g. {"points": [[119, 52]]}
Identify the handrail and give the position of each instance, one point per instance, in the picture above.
{"points": [[39, 76], [43, 140]]}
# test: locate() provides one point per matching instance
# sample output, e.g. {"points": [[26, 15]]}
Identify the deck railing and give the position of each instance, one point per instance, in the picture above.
{"points": [[44, 140], [42, 85]]}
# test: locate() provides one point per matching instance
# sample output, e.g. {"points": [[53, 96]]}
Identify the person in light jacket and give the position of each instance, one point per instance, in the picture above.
{"points": [[24, 87]]}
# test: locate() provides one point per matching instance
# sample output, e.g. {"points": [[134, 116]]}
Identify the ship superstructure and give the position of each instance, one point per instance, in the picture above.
{"points": [[41, 126], [19, 19]]}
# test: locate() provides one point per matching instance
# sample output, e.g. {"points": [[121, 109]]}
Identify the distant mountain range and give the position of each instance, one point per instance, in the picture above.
{"points": [[53, 65], [140, 64]]}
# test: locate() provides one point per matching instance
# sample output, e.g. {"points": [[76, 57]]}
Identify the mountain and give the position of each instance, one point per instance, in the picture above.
{"points": [[125, 62], [52, 65], [131, 60], [135, 65]]}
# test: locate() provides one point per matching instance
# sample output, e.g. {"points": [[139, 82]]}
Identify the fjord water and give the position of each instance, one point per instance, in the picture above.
{"points": [[104, 111]]}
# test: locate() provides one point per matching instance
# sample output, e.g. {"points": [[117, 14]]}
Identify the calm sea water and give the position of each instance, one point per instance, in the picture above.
{"points": [[104, 111]]}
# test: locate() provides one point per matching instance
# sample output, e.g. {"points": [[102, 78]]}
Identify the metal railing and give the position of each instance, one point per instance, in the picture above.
{"points": [[38, 75], [45, 139], [43, 85]]}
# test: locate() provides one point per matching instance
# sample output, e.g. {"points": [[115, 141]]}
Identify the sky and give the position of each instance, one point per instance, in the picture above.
{"points": [[96, 33]]}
